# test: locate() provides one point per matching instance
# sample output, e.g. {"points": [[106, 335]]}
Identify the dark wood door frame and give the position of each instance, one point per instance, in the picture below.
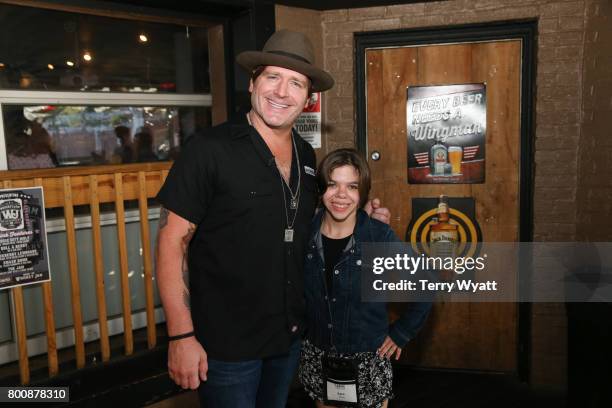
{"points": [[524, 30]]}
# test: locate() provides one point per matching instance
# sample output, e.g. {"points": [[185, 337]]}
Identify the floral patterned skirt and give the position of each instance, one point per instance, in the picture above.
{"points": [[374, 380]]}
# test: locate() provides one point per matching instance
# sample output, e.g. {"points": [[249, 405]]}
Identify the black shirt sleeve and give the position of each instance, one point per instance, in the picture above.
{"points": [[188, 188]]}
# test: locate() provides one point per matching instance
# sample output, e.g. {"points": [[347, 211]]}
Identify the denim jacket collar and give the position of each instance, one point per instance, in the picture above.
{"points": [[361, 233]]}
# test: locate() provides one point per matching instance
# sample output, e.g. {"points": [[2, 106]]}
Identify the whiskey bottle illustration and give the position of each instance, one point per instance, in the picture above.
{"points": [[443, 236], [438, 158]]}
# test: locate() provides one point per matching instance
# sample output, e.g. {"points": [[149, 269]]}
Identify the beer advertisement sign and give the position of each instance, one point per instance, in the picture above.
{"points": [[23, 241], [446, 133]]}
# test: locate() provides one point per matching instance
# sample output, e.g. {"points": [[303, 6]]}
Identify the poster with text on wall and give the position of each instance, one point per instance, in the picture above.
{"points": [[446, 133], [23, 240], [308, 124]]}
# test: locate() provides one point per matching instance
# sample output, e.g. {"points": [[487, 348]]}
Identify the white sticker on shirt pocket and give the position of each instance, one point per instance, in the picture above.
{"points": [[309, 170]]}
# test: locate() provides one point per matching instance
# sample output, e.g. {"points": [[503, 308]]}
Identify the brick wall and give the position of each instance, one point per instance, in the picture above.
{"points": [[305, 21], [573, 82], [595, 159]]}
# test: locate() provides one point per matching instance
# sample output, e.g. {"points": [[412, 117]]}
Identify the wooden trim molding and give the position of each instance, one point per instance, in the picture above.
{"points": [[84, 171]]}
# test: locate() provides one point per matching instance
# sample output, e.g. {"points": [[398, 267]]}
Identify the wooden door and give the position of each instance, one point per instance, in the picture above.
{"points": [[480, 336]]}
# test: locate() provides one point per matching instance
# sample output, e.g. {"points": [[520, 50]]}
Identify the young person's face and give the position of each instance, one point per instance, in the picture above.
{"points": [[341, 198], [278, 96]]}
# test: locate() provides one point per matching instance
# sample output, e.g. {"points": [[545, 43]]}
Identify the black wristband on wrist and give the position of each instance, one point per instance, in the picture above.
{"points": [[181, 336]]}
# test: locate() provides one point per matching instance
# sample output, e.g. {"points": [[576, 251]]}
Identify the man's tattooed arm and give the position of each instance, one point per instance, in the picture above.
{"points": [[164, 214], [163, 217], [186, 358], [185, 264]]}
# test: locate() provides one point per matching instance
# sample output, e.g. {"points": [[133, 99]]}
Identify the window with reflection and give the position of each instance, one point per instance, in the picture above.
{"points": [[49, 136], [50, 50]]}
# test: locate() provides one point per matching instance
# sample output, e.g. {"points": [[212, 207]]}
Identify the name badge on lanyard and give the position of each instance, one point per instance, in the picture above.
{"points": [[340, 378]]}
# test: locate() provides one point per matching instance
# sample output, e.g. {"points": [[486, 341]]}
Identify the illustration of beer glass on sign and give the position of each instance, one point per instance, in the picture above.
{"points": [[455, 154]]}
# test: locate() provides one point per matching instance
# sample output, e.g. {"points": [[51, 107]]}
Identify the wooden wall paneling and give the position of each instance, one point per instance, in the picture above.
{"points": [[50, 329], [106, 191], [22, 335], [123, 264], [498, 64], [218, 86], [74, 272], [399, 71], [60, 189], [59, 172], [456, 334], [47, 292], [499, 194], [444, 64], [98, 259], [54, 196], [146, 259], [375, 123], [449, 325], [54, 191], [53, 181]]}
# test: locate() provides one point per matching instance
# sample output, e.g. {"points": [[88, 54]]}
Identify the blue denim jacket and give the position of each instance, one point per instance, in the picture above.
{"points": [[357, 326]]}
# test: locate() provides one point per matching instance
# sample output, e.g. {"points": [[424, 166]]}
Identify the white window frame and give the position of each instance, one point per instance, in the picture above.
{"points": [[93, 99]]}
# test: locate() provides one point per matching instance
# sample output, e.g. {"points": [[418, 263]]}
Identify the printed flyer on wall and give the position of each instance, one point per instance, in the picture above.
{"points": [[23, 240], [308, 124]]}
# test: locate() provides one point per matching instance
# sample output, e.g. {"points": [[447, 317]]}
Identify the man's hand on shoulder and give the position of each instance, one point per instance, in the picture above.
{"points": [[375, 210], [187, 362]]}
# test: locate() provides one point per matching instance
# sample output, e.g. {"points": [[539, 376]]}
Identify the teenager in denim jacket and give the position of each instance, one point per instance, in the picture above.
{"points": [[339, 324]]}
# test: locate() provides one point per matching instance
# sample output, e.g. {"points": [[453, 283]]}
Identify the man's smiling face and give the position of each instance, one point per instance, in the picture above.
{"points": [[278, 96]]}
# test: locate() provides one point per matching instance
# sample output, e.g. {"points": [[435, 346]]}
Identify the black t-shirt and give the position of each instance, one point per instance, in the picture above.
{"points": [[246, 283], [332, 250]]}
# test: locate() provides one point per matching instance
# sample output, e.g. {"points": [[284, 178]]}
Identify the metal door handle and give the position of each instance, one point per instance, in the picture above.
{"points": [[375, 155]]}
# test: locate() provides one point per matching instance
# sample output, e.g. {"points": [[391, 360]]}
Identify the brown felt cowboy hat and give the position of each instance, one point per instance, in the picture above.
{"points": [[291, 50]]}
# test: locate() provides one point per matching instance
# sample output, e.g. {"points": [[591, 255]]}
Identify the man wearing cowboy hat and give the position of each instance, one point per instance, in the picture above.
{"points": [[234, 224]]}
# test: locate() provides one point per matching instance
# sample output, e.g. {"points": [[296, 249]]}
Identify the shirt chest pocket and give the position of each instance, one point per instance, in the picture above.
{"points": [[243, 196]]}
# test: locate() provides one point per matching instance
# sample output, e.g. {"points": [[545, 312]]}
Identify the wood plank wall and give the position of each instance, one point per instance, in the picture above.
{"points": [[457, 335], [67, 188]]}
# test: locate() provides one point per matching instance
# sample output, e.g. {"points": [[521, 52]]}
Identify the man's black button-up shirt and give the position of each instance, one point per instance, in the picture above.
{"points": [[246, 282]]}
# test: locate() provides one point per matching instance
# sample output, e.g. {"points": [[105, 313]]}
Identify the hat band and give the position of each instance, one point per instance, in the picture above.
{"points": [[290, 55]]}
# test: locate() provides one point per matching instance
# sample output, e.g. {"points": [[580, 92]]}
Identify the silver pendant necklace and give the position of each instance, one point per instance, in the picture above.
{"points": [[295, 197], [294, 201]]}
